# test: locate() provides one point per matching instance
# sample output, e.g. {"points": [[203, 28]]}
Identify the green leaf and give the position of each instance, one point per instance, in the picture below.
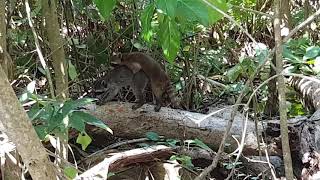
{"points": [[185, 160], [84, 140], [169, 39], [72, 105], [70, 172], [172, 142], [89, 119], [146, 18], [72, 71], [168, 7], [43, 113], [193, 10], [287, 53], [214, 15], [202, 145], [152, 136], [312, 52], [105, 7], [234, 72], [42, 131], [76, 121]]}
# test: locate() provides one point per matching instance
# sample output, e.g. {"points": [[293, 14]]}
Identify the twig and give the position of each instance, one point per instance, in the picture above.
{"points": [[211, 81], [254, 11], [118, 144], [244, 132], [301, 25], [268, 160]]}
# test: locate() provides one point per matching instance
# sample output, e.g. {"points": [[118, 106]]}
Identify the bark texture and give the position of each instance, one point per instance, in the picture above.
{"points": [[282, 93], [173, 123], [19, 129], [5, 59]]}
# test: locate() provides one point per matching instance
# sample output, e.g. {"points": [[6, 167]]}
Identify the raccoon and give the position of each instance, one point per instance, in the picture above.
{"points": [[121, 76], [159, 80]]}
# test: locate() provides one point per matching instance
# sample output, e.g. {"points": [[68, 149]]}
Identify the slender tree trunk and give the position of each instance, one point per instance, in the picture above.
{"points": [[56, 46], [5, 59], [282, 94], [20, 131]]}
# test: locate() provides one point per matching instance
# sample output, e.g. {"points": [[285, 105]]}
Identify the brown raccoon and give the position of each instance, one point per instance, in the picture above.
{"points": [[160, 82], [119, 77]]}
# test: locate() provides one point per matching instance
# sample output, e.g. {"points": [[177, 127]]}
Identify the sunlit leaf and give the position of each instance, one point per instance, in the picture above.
{"points": [[146, 18], [168, 7], [214, 15], [105, 7], [169, 38], [31, 86], [84, 140], [70, 172], [193, 10]]}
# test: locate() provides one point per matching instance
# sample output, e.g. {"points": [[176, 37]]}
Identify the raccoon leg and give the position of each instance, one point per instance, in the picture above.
{"points": [[158, 93], [109, 95], [139, 82]]}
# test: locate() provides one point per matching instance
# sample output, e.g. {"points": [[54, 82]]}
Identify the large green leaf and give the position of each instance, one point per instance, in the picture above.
{"points": [[76, 121], [72, 105], [287, 53], [89, 119], [169, 38], [168, 7], [311, 52], [146, 18], [105, 7], [193, 10], [214, 15]]}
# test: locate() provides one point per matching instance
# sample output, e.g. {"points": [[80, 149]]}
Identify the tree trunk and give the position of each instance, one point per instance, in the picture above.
{"points": [[177, 124], [282, 93], [5, 59], [19, 129], [56, 46]]}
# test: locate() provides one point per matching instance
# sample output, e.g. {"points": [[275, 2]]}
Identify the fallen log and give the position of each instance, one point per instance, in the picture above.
{"points": [[173, 123]]}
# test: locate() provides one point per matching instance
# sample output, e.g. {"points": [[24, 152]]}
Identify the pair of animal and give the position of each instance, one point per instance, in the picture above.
{"points": [[136, 69]]}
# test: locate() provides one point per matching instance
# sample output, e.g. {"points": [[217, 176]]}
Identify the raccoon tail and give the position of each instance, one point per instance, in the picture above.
{"points": [[171, 95]]}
